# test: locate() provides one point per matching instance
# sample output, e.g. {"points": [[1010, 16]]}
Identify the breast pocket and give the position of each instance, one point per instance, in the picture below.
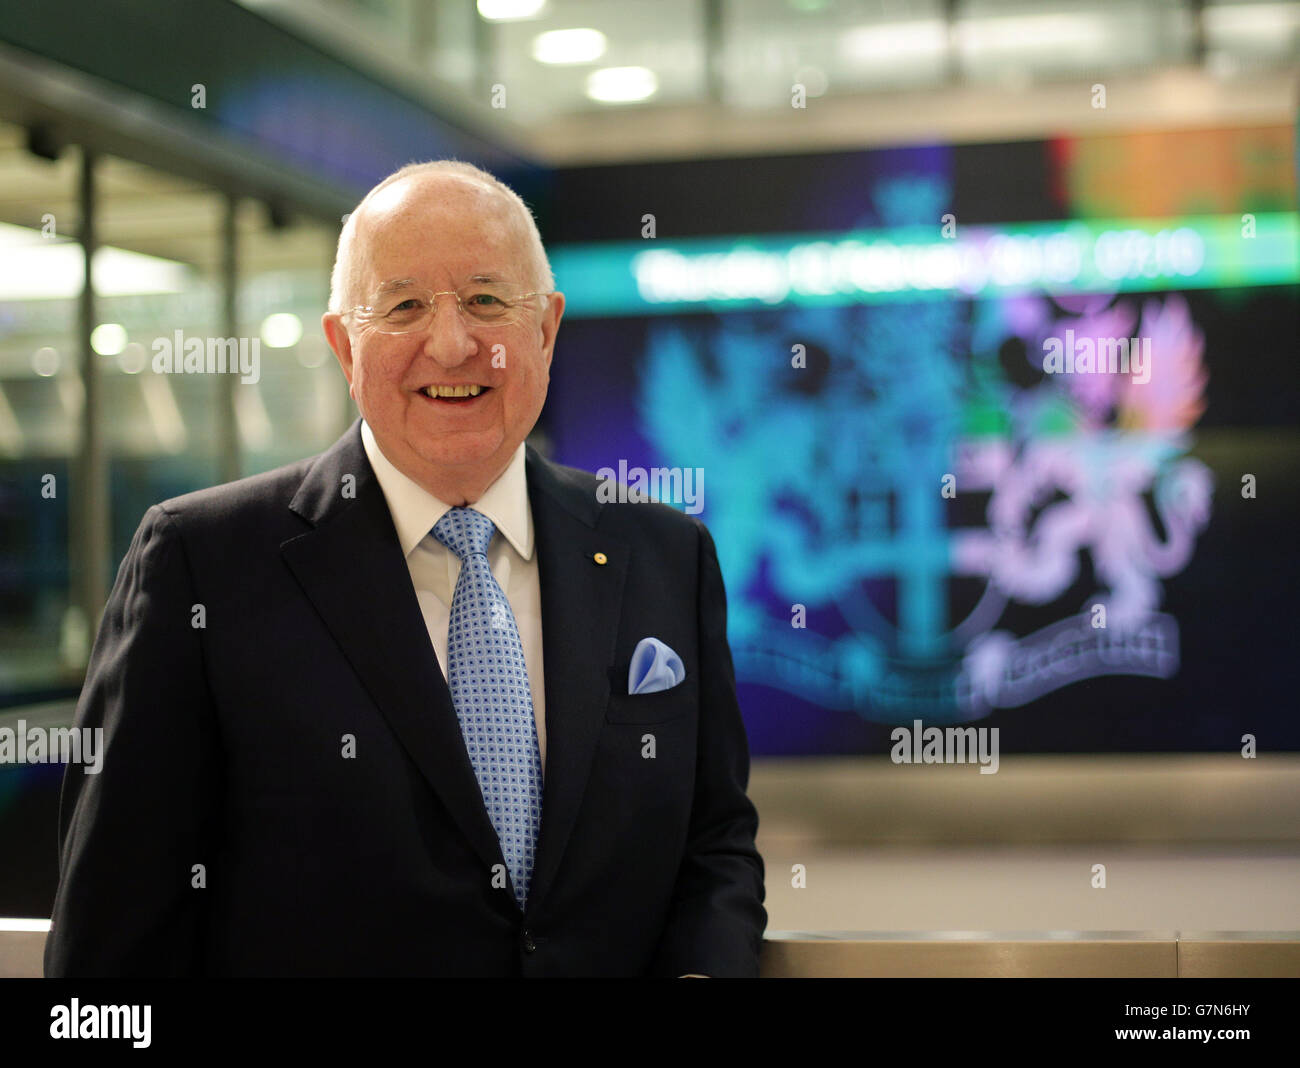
{"points": [[656, 707]]}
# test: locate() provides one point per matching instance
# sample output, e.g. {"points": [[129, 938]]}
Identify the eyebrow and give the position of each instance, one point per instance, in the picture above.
{"points": [[396, 285]]}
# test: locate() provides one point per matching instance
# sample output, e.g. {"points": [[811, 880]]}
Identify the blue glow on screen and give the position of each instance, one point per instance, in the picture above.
{"points": [[828, 434]]}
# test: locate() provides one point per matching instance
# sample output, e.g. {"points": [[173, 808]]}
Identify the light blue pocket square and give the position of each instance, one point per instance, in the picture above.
{"points": [[654, 667]]}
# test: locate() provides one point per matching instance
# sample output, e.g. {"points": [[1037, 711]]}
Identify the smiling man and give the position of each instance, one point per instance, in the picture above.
{"points": [[449, 397], [423, 704]]}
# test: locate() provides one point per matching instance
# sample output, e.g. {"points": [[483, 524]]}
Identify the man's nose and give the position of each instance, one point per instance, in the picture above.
{"points": [[447, 338]]}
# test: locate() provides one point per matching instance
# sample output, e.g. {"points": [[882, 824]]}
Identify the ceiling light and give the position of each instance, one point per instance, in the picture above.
{"points": [[282, 330], [1258, 24], [133, 358], [568, 46], [621, 85], [45, 361], [896, 40], [312, 355], [33, 267], [108, 339], [508, 10], [1072, 33]]}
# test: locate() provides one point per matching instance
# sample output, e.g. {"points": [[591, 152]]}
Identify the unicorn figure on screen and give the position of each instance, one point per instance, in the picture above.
{"points": [[1081, 491], [1126, 439]]}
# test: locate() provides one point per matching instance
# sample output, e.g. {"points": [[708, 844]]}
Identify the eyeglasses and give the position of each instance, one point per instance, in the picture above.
{"points": [[479, 303]]}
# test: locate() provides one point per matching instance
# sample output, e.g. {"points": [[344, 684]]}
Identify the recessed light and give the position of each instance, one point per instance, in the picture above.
{"points": [[282, 330], [108, 339], [568, 46], [508, 10], [621, 85]]}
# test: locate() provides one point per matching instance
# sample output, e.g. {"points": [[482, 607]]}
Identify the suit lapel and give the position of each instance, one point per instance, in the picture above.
{"points": [[581, 605], [351, 567]]}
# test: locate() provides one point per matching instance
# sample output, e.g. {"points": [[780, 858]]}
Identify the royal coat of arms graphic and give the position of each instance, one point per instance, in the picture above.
{"points": [[919, 477]]}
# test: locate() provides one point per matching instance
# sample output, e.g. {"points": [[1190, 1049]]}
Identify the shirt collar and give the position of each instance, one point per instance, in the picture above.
{"points": [[415, 510]]}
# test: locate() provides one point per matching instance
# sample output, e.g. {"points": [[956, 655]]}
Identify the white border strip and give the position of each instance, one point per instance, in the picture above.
{"points": [[13, 923]]}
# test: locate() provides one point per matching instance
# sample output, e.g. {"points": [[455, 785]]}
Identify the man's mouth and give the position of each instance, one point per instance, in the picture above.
{"points": [[464, 394]]}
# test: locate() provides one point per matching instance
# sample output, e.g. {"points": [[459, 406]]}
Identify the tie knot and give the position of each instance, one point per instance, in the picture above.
{"points": [[465, 531]]}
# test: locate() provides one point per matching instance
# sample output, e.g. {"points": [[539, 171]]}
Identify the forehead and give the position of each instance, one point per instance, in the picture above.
{"points": [[438, 232]]}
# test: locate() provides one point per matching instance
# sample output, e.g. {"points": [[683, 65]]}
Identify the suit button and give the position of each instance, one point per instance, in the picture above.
{"points": [[529, 944]]}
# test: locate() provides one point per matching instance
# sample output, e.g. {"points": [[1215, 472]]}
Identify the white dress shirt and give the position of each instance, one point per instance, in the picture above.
{"points": [[434, 568]]}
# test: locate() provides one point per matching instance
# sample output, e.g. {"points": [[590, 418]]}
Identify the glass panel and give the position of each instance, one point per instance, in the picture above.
{"points": [[160, 424], [40, 403], [300, 403]]}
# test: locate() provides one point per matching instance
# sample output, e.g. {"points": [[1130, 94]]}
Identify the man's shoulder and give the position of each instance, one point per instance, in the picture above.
{"points": [[255, 495], [227, 526], [563, 477], [267, 502]]}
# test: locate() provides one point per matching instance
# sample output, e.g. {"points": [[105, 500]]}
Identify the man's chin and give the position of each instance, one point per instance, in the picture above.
{"points": [[463, 452]]}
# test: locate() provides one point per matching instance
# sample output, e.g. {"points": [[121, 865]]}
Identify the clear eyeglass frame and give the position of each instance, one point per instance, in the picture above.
{"points": [[509, 310]]}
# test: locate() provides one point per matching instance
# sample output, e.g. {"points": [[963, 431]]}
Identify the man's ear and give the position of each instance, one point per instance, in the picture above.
{"points": [[337, 336], [551, 323]]}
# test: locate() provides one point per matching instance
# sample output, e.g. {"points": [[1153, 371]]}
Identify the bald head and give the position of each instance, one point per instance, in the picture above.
{"points": [[398, 203], [425, 232]]}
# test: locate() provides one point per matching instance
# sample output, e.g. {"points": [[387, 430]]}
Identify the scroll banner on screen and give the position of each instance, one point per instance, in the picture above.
{"points": [[911, 263]]}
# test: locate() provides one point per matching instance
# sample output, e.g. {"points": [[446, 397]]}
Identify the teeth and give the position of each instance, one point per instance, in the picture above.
{"points": [[452, 391]]}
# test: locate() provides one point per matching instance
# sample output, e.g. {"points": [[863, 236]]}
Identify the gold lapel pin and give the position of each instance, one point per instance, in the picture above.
{"points": [[600, 558]]}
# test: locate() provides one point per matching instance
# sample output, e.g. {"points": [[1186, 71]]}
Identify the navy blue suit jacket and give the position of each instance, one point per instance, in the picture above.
{"points": [[226, 749]]}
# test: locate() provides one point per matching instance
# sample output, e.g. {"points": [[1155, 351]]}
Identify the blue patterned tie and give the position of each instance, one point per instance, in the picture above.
{"points": [[489, 689]]}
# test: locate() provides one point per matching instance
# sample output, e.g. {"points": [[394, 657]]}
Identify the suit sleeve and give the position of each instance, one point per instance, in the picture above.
{"points": [[716, 922], [130, 835]]}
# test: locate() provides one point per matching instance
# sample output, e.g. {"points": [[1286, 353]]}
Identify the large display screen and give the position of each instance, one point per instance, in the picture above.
{"points": [[999, 433]]}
